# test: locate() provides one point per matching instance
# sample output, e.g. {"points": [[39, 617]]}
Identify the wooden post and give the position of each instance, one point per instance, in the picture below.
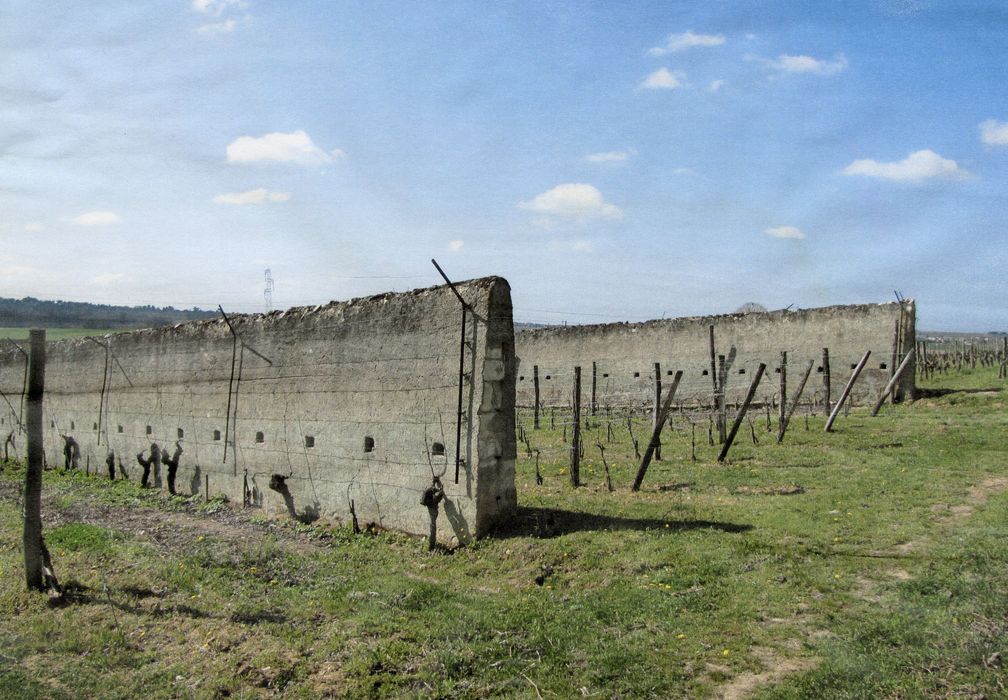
{"points": [[33, 557], [656, 435], [742, 411], [575, 454], [594, 406], [826, 379], [656, 409], [722, 375], [713, 366], [783, 390], [846, 392], [892, 382], [535, 382], [794, 402]]}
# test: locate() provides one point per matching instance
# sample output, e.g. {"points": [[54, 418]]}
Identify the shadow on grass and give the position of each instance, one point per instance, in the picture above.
{"points": [[553, 522], [76, 593], [937, 393]]}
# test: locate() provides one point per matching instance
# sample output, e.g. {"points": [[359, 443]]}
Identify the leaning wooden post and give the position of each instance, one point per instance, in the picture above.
{"points": [[846, 392], [892, 382], [826, 379], [713, 366], [742, 411], [33, 557], [575, 449], [535, 410], [656, 434], [656, 409], [794, 402]]}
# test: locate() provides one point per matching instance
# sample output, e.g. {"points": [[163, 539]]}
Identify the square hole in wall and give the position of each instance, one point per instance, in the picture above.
{"points": [[705, 373], [605, 375], [547, 376], [149, 431], [52, 424], [437, 450], [819, 369], [741, 370], [260, 437], [854, 366], [309, 441], [636, 375], [670, 373], [94, 427], [777, 370], [73, 427], [119, 429], [521, 379], [180, 433], [882, 365], [368, 443], [216, 435]]}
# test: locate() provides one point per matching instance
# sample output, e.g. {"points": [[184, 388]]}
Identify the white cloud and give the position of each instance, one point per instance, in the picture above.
{"points": [[107, 278], [610, 156], [686, 40], [682, 171], [217, 7], [785, 232], [916, 167], [256, 196], [455, 245], [573, 200], [715, 85], [664, 79], [296, 147], [994, 133], [786, 63], [217, 28], [97, 218], [33, 226]]}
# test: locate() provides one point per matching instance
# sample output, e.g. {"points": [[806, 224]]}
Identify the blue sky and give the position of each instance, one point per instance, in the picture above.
{"points": [[614, 161]]}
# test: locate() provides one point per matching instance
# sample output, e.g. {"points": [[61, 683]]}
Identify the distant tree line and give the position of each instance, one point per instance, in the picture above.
{"points": [[31, 312]]}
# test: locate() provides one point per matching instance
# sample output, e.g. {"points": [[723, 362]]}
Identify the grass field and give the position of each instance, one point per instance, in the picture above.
{"points": [[54, 333], [867, 563]]}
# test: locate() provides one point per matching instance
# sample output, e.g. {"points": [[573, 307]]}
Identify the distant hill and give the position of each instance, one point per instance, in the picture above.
{"points": [[36, 313]]}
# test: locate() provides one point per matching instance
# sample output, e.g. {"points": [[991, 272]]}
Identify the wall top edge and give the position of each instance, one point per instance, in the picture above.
{"points": [[471, 290], [779, 314]]}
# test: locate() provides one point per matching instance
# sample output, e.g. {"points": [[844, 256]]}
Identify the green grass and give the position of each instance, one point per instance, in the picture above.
{"points": [[883, 577], [57, 333]]}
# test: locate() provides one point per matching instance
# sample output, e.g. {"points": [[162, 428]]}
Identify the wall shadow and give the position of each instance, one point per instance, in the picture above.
{"points": [[553, 522], [936, 393]]}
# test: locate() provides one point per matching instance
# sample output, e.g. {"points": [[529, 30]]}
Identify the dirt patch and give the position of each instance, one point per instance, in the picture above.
{"points": [[775, 668], [987, 488], [170, 531]]}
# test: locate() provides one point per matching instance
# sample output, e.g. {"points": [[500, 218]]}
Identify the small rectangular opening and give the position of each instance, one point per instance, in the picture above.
{"points": [[216, 435], [309, 441], [149, 431]]}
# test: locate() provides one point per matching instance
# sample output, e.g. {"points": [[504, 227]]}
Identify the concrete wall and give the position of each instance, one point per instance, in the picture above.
{"points": [[384, 367], [624, 354]]}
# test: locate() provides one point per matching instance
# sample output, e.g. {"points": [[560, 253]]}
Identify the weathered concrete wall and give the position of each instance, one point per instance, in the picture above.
{"points": [[381, 369], [624, 354]]}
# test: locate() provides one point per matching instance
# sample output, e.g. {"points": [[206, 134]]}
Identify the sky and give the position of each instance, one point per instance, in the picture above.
{"points": [[613, 161]]}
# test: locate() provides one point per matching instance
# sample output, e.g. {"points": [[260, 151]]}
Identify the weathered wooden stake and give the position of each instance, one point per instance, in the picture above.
{"points": [[713, 366], [594, 405], [722, 385], [846, 392], [575, 456], [535, 384], [656, 408], [742, 411], [33, 545], [892, 382], [656, 435], [783, 390], [826, 379], [794, 403]]}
